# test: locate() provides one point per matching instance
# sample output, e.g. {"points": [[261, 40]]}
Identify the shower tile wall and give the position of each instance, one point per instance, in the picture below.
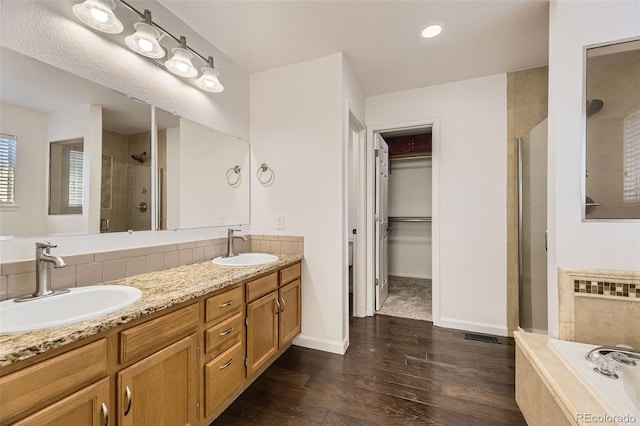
{"points": [[527, 100], [116, 145]]}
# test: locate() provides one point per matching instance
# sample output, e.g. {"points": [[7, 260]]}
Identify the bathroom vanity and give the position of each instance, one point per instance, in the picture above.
{"points": [[200, 335]]}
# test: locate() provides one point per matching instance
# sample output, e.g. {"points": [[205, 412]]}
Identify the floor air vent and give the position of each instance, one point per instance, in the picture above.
{"points": [[481, 337]]}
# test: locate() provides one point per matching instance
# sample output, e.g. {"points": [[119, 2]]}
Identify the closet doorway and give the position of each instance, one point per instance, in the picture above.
{"points": [[404, 231]]}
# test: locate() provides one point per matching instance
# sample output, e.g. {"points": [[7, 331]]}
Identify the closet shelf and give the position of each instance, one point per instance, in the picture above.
{"points": [[413, 157], [409, 218]]}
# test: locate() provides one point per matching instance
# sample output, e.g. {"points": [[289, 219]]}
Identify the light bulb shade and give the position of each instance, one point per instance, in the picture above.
{"points": [[98, 14], [145, 41], [180, 63], [209, 80]]}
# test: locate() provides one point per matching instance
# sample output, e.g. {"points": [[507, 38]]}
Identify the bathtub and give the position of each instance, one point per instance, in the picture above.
{"points": [[620, 397]]}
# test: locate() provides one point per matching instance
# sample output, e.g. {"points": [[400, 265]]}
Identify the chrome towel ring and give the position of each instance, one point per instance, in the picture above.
{"points": [[265, 174], [233, 175]]}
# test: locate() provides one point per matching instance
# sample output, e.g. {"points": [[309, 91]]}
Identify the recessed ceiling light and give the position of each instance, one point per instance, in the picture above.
{"points": [[432, 31]]}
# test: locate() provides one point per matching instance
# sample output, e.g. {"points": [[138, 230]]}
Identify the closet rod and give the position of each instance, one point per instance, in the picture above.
{"points": [[409, 218], [415, 157]]}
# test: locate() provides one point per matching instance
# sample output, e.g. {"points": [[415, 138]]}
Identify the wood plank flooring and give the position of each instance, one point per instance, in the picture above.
{"points": [[397, 371]]}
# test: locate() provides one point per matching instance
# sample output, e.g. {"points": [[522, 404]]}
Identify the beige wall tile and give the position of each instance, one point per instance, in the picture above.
{"points": [[21, 284], [63, 277], [265, 246], [110, 255], [286, 247], [170, 259], [79, 259], [255, 245], [141, 251], [203, 243], [186, 245], [276, 247], [286, 238], [185, 256], [165, 248], [300, 249], [113, 270], [219, 241], [601, 321], [14, 268], [4, 288], [257, 237], [209, 252], [135, 266], [299, 239], [198, 254], [220, 249], [155, 262], [89, 274]]}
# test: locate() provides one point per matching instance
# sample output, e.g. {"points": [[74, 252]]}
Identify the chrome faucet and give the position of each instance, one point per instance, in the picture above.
{"points": [[44, 261], [230, 238], [606, 357]]}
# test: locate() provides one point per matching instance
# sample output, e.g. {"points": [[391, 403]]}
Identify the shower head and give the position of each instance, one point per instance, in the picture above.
{"points": [[594, 106], [139, 157]]}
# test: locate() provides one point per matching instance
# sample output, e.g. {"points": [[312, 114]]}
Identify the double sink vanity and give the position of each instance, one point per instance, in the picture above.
{"points": [[197, 337]]}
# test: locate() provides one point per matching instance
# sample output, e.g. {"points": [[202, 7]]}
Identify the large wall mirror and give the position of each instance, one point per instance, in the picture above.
{"points": [[82, 160], [612, 131]]}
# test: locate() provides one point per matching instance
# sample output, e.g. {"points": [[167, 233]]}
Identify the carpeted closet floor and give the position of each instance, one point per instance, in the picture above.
{"points": [[408, 298]]}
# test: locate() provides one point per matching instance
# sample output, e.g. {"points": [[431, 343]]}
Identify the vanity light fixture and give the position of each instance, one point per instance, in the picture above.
{"points": [[180, 63], [432, 31], [209, 79], [145, 40], [98, 14]]}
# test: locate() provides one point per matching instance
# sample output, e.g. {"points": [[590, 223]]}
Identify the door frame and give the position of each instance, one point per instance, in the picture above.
{"points": [[368, 289]]}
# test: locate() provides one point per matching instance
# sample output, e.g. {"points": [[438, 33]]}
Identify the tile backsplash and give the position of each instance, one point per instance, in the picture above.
{"points": [[18, 278]]}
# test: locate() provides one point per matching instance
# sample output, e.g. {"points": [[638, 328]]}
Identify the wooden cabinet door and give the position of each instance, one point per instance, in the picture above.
{"points": [[162, 388], [86, 407], [290, 315], [262, 331]]}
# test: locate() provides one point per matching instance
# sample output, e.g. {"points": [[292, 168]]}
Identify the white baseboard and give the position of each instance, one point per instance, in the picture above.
{"points": [[398, 274], [496, 330], [332, 346]]}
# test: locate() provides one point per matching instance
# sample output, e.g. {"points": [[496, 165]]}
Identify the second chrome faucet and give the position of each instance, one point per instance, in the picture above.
{"points": [[230, 238], [44, 261]]}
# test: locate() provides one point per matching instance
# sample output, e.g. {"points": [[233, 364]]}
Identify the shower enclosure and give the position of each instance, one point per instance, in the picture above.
{"points": [[532, 226]]}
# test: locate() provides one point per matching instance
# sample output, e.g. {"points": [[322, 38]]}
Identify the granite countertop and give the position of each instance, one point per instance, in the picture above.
{"points": [[160, 290]]}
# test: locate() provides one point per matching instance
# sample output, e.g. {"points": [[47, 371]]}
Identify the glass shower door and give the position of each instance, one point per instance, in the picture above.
{"points": [[532, 226]]}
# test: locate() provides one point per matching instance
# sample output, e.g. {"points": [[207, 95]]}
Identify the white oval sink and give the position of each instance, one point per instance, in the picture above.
{"points": [[246, 259], [80, 304]]}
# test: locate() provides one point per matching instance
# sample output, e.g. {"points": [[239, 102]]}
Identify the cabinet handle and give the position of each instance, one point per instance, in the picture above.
{"points": [[222, 367], [283, 304], [105, 415], [224, 333], [277, 307], [224, 305], [129, 400]]}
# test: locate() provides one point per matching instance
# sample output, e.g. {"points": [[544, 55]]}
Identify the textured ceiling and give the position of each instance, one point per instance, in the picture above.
{"points": [[379, 38]]}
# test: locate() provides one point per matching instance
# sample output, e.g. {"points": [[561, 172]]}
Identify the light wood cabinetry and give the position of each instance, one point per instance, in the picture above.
{"points": [[162, 388], [87, 407], [182, 367]]}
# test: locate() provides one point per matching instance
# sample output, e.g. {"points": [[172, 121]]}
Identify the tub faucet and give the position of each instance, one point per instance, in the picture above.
{"points": [[230, 238], [44, 261], [622, 354]]}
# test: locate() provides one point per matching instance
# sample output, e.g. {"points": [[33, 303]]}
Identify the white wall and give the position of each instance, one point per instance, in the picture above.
{"points": [[61, 40], [470, 205], [410, 243], [30, 129], [573, 243], [84, 122], [297, 129]]}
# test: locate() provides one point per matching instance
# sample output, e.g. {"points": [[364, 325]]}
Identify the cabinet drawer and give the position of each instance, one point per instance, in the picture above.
{"points": [[222, 336], [261, 286], [157, 333], [223, 305], [223, 376], [290, 273], [50, 380]]}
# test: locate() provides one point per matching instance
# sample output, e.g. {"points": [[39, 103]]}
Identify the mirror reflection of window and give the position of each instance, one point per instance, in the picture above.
{"points": [[7, 169], [66, 182]]}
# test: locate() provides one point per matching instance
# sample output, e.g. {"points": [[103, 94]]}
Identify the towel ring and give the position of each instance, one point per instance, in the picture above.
{"points": [[233, 176], [264, 178]]}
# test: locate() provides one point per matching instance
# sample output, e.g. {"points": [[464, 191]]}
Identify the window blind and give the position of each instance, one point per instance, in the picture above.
{"points": [[631, 159], [7, 169], [75, 178]]}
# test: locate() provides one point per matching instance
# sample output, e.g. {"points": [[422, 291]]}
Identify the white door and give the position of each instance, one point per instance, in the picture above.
{"points": [[382, 220]]}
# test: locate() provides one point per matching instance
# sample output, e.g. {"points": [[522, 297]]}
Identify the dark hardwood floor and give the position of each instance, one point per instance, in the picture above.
{"points": [[396, 372]]}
